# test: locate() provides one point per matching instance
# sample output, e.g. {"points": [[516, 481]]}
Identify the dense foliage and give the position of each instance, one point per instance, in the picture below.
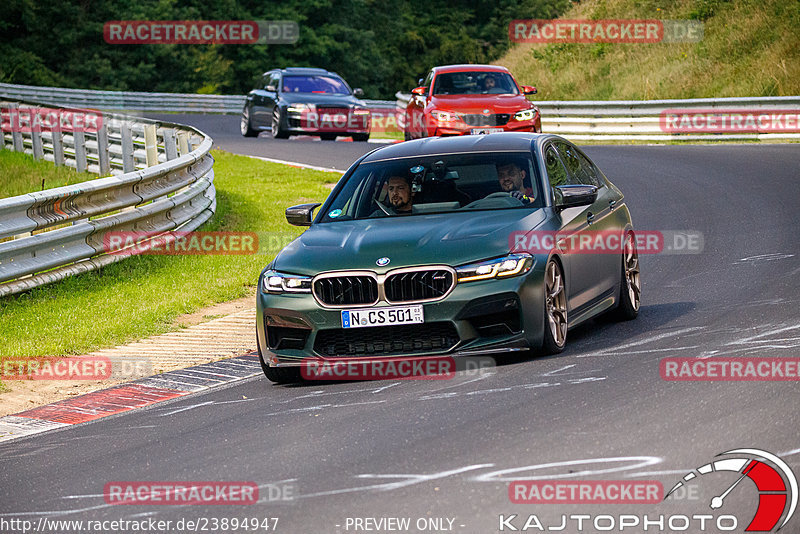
{"points": [[380, 46]]}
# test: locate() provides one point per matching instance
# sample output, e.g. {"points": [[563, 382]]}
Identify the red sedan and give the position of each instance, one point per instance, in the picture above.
{"points": [[470, 99]]}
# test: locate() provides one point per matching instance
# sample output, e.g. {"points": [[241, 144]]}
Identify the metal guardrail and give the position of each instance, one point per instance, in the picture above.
{"points": [[161, 180], [627, 120], [134, 101]]}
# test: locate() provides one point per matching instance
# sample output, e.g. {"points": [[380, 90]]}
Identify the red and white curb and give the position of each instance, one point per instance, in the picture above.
{"points": [[129, 396]]}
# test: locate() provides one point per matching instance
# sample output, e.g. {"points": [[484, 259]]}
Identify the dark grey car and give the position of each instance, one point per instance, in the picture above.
{"points": [[296, 101]]}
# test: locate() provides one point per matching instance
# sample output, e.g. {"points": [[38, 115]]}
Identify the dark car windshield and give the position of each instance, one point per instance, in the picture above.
{"points": [[474, 83], [315, 84], [438, 184]]}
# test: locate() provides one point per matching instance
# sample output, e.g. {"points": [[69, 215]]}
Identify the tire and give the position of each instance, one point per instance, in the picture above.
{"points": [[555, 309], [244, 124], [406, 136], [360, 137], [630, 285], [278, 131], [327, 137], [279, 375]]}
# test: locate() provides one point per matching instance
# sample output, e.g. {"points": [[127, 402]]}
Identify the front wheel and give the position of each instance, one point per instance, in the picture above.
{"points": [[279, 375], [277, 130], [328, 137], [630, 284], [362, 137], [244, 124], [555, 308]]}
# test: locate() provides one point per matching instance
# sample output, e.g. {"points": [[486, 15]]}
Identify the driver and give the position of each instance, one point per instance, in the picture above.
{"points": [[511, 177], [489, 83], [399, 194]]}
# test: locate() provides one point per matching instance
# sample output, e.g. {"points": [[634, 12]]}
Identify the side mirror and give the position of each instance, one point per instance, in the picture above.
{"points": [[528, 90], [420, 81], [419, 91], [569, 196], [270, 88], [358, 91], [301, 215]]}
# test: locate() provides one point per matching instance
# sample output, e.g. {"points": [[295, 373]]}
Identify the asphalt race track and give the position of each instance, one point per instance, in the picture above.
{"points": [[448, 449]]}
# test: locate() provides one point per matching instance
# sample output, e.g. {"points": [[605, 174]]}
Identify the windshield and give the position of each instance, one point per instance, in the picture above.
{"points": [[474, 83], [438, 184], [315, 84]]}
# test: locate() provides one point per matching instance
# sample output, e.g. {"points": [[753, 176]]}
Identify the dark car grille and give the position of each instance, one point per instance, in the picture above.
{"points": [[346, 290], [331, 110], [386, 340], [418, 285], [477, 119]]}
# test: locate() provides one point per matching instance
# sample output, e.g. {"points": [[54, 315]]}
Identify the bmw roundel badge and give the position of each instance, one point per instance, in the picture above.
{"points": [[382, 262]]}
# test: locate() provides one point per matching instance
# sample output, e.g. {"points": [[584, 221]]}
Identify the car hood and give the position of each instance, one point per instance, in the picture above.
{"points": [[478, 103], [448, 238], [321, 99]]}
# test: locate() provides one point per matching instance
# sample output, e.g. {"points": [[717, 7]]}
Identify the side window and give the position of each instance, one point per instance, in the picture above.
{"points": [[275, 80], [428, 81], [590, 171], [580, 169], [556, 173]]}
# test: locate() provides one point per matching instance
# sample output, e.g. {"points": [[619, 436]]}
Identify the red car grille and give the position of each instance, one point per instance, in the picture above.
{"points": [[478, 119]]}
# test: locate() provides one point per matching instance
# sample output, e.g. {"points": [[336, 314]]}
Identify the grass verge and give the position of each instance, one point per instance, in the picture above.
{"points": [[141, 296], [21, 174]]}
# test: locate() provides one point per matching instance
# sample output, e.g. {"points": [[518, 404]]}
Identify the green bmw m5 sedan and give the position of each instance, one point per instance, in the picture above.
{"points": [[454, 246]]}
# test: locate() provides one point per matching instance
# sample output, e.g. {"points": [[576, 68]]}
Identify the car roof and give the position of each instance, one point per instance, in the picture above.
{"points": [[431, 146], [468, 67], [305, 70]]}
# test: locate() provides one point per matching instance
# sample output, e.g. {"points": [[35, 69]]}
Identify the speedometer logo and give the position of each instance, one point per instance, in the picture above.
{"points": [[775, 481]]}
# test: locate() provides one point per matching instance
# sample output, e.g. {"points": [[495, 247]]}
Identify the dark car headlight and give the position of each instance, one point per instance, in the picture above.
{"points": [[511, 265], [275, 282], [525, 114]]}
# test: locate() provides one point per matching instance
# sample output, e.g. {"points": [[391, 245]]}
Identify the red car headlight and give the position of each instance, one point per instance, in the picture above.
{"points": [[444, 116]]}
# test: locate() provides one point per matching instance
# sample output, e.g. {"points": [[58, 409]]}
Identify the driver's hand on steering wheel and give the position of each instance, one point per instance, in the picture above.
{"points": [[521, 197]]}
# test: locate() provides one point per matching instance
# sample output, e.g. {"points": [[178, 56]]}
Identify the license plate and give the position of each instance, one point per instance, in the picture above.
{"points": [[334, 119], [382, 316], [486, 130]]}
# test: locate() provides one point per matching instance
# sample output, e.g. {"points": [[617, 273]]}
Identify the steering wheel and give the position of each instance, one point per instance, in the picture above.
{"points": [[388, 211]]}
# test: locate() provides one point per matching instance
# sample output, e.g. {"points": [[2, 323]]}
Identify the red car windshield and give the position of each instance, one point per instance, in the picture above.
{"points": [[314, 84], [474, 83]]}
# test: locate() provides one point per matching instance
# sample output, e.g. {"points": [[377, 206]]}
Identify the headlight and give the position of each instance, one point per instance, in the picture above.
{"points": [[511, 265], [275, 282], [444, 116], [301, 108], [525, 115], [360, 111]]}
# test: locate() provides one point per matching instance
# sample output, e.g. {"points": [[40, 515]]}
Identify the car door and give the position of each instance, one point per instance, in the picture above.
{"points": [[596, 264], [265, 98]]}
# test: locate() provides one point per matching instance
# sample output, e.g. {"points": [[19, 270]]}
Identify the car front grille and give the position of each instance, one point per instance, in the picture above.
{"points": [[331, 110], [386, 340], [346, 290], [418, 285], [477, 119]]}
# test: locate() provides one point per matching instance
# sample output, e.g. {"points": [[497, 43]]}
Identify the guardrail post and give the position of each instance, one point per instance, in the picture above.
{"points": [[16, 134], [80, 150], [36, 140], [183, 143], [128, 165], [170, 144], [150, 145], [102, 149], [58, 145]]}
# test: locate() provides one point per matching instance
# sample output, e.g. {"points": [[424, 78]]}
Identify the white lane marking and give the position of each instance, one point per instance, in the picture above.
{"points": [[764, 257], [193, 406], [790, 453], [411, 479], [498, 476], [764, 334], [297, 164], [642, 341], [551, 373], [378, 390]]}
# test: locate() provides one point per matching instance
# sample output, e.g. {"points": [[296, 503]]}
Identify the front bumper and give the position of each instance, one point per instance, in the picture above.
{"points": [[466, 129], [482, 317]]}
